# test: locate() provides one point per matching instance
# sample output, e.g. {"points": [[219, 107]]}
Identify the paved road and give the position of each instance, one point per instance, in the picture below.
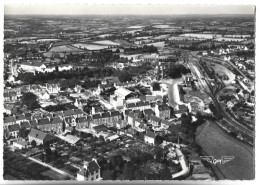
{"points": [[185, 168]]}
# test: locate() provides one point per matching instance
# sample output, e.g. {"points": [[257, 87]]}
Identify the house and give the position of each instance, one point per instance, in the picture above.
{"points": [[96, 110], [26, 125], [124, 93], [69, 113], [126, 112], [106, 119], [165, 124], [20, 144], [149, 138], [99, 128], [70, 122], [89, 172], [163, 111], [50, 124], [155, 121], [13, 130], [181, 109], [78, 89], [53, 88], [125, 85], [115, 116], [83, 122], [39, 137], [148, 113], [79, 113], [131, 119], [9, 121], [97, 119], [141, 105], [139, 125]]}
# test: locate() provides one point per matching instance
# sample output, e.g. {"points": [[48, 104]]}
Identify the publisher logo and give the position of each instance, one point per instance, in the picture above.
{"points": [[215, 161]]}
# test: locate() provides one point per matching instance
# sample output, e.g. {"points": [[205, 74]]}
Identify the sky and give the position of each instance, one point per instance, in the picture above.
{"points": [[74, 9]]}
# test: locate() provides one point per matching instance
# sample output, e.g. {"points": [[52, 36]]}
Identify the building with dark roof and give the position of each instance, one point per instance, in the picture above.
{"points": [[100, 128], [39, 137], [83, 122], [163, 111], [148, 113], [25, 124], [50, 124], [155, 121], [149, 138], [165, 124], [97, 119], [89, 172], [13, 130]]}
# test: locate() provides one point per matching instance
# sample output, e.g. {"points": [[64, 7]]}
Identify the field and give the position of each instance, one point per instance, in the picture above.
{"points": [[54, 175], [222, 144], [124, 43], [89, 46], [47, 40], [184, 38], [64, 48], [106, 42], [159, 45], [162, 36], [60, 43], [135, 27], [105, 35], [161, 26]]}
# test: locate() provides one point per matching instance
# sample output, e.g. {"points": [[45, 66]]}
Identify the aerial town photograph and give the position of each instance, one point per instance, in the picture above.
{"points": [[128, 93]]}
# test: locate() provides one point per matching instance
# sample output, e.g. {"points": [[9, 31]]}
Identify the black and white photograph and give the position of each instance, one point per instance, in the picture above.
{"points": [[128, 92]]}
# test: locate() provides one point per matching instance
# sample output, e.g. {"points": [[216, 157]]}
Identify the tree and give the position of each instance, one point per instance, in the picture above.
{"points": [[124, 76], [128, 171], [165, 174], [33, 143], [42, 157], [23, 132], [30, 101], [48, 154]]}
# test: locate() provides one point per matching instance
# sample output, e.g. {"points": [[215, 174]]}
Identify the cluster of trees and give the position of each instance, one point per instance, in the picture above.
{"points": [[124, 76], [48, 155], [72, 78], [177, 70], [144, 49], [247, 54], [30, 100], [215, 112], [142, 166], [29, 78], [59, 107]]}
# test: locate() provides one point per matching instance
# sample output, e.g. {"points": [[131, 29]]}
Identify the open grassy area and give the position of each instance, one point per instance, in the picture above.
{"points": [[64, 48], [89, 46], [215, 142], [53, 175]]}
